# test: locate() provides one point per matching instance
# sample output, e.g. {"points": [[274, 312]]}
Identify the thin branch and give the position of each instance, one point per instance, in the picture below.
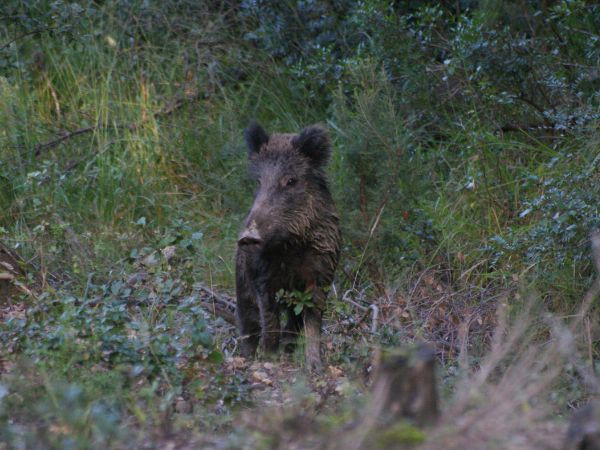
{"points": [[175, 104], [21, 36], [346, 298], [524, 127], [39, 148], [587, 33]]}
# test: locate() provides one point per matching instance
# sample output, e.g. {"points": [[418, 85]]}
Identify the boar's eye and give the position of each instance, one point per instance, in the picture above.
{"points": [[290, 181]]}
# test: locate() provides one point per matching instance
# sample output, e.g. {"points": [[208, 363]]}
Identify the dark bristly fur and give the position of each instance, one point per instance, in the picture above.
{"points": [[290, 239]]}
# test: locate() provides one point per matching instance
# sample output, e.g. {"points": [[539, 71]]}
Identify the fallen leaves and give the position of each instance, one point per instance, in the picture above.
{"points": [[262, 377]]}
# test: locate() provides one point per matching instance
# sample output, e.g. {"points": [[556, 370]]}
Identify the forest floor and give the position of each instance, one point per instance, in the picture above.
{"points": [[464, 169], [279, 404]]}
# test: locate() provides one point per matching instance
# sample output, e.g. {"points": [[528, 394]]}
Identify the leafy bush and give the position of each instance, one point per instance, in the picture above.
{"points": [[558, 220], [124, 351], [379, 175]]}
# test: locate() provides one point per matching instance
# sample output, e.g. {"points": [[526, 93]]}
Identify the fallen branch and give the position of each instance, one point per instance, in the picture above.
{"points": [[375, 310], [176, 103], [220, 305], [346, 298]]}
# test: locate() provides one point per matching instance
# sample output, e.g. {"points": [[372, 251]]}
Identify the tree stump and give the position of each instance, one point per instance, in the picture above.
{"points": [[405, 387], [403, 399], [584, 429]]}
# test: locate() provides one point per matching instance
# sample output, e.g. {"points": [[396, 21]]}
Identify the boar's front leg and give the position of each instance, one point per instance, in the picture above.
{"points": [[269, 323], [248, 321], [312, 331], [247, 313]]}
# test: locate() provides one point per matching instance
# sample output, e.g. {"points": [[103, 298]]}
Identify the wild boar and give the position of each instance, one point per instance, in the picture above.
{"points": [[290, 240]]}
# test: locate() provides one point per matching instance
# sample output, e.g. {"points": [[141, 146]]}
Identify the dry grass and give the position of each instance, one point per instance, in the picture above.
{"points": [[504, 400]]}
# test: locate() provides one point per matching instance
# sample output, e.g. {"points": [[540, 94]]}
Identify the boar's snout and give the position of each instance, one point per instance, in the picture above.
{"points": [[249, 238]]}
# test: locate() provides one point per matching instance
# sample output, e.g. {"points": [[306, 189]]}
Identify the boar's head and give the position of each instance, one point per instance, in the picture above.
{"points": [[291, 187]]}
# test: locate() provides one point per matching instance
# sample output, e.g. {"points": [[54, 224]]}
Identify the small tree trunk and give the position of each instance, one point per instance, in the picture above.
{"points": [[404, 385]]}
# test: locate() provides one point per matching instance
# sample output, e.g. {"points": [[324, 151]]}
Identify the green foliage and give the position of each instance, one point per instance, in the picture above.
{"points": [[401, 433], [136, 349], [39, 19], [296, 299], [556, 221], [309, 37], [436, 86], [379, 173], [465, 145]]}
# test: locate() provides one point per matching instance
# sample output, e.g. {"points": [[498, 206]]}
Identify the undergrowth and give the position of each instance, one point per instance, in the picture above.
{"points": [[465, 171]]}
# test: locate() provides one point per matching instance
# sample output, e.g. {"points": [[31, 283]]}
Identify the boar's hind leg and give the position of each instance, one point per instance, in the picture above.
{"points": [[312, 337], [248, 323], [269, 323]]}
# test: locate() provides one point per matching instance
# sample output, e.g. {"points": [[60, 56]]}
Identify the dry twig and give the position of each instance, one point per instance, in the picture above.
{"points": [[220, 305]]}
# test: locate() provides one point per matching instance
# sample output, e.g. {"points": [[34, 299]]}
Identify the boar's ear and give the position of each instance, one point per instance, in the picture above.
{"points": [[255, 137], [313, 142]]}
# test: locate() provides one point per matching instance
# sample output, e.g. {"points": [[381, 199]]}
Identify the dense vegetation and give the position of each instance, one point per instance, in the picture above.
{"points": [[466, 170]]}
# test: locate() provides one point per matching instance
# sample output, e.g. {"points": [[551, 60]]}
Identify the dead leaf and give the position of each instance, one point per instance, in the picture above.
{"points": [[262, 377], [150, 260], [136, 278], [335, 372], [169, 252], [236, 362], [7, 266]]}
